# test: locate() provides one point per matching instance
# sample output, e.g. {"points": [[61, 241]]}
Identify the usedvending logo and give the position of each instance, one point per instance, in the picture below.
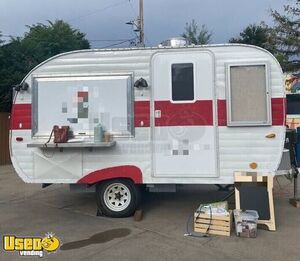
{"points": [[31, 246]]}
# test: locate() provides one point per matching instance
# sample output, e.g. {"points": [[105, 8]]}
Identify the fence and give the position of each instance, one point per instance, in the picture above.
{"points": [[4, 138]]}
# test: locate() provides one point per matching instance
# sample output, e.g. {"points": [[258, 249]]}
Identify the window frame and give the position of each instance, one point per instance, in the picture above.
{"points": [[55, 77], [230, 121], [194, 82]]}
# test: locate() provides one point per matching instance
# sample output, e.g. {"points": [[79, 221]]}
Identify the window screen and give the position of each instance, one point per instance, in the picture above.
{"points": [[248, 95], [182, 82]]}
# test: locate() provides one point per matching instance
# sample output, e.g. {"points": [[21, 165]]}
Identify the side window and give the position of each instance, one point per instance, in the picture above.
{"points": [[249, 100], [182, 82]]}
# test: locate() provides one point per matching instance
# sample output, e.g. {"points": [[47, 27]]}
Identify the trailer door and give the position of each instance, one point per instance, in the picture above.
{"points": [[184, 132]]}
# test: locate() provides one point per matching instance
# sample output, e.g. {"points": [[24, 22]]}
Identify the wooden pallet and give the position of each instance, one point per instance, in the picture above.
{"points": [[218, 225], [295, 202]]}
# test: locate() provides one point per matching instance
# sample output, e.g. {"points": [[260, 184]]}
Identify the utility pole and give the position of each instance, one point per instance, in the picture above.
{"points": [[138, 24], [141, 23]]}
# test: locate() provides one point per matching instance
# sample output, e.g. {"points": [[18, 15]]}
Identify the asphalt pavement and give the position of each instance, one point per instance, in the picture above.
{"points": [[27, 210]]}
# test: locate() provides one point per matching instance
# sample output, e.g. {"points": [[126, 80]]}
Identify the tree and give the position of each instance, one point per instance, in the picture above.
{"points": [[259, 35], [22, 54], [44, 41], [13, 66], [1, 41], [197, 35], [287, 29], [263, 36], [4, 93]]}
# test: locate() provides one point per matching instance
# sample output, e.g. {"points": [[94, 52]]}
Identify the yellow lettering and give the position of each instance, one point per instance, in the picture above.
{"points": [[19, 244], [9, 243], [37, 244], [28, 244]]}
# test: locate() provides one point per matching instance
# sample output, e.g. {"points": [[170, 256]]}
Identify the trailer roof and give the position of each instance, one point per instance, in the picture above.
{"points": [[163, 47], [148, 49]]}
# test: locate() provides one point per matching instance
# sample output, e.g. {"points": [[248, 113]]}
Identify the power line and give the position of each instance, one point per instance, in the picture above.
{"points": [[132, 8], [93, 40], [98, 10], [108, 46], [109, 40]]}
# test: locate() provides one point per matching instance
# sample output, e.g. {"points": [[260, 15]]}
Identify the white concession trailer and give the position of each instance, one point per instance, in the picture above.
{"points": [[178, 115]]}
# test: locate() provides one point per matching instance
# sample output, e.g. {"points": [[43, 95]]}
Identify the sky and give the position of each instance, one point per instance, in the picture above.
{"points": [[105, 19]]}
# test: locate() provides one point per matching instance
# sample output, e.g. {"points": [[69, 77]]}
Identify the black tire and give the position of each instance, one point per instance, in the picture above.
{"points": [[107, 192]]}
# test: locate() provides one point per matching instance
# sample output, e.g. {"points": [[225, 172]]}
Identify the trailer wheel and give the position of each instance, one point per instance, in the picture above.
{"points": [[117, 198]]}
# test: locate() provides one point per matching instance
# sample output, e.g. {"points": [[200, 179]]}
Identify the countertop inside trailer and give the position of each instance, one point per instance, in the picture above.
{"points": [[41, 144]]}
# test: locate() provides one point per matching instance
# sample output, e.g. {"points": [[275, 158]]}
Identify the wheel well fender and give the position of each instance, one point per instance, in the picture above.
{"points": [[125, 171]]}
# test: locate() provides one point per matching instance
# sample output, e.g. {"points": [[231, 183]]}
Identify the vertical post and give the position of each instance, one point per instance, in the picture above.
{"points": [[296, 195], [295, 201], [141, 23]]}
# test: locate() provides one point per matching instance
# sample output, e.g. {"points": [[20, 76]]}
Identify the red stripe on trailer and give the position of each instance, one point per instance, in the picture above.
{"points": [[21, 117], [83, 94], [142, 114], [126, 171], [278, 111], [222, 113], [198, 113]]}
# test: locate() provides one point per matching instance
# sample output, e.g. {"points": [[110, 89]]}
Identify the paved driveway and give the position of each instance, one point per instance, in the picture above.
{"points": [[29, 210]]}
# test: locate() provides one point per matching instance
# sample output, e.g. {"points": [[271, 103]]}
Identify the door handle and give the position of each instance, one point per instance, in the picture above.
{"points": [[157, 113]]}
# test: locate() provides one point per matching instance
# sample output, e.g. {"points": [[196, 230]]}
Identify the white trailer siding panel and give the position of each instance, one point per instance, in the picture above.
{"points": [[233, 142], [239, 146]]}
